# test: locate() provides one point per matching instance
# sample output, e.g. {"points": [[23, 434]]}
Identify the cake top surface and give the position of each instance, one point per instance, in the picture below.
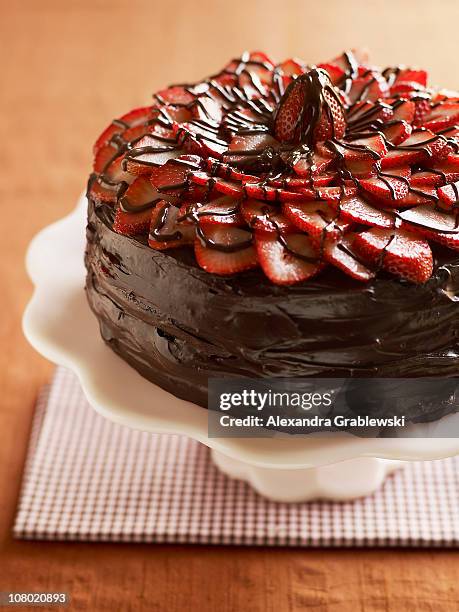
{"points": [[290, 168]]}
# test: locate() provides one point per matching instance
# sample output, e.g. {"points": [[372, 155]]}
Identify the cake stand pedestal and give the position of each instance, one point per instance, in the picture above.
{"points": [[60, 325]]}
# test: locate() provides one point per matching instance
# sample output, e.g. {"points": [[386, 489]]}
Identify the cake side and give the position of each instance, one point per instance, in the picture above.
{"points": [[178, 325]]}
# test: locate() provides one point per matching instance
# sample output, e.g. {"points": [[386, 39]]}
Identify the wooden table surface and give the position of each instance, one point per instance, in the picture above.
{"points": [[67, 68]]}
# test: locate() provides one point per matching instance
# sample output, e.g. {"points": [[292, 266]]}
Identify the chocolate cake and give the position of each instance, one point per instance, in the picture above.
{"points": [[280, 220]]}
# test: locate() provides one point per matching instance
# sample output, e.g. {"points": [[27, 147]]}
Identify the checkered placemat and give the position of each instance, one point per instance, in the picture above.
{"points": [[89, 479]]}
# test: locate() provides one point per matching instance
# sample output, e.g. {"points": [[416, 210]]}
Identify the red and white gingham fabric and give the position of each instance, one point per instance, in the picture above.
{"points": [[89, 479]]}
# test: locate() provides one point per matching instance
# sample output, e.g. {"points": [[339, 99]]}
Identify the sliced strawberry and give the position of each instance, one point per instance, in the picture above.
{"points": [[421, 145], [200, 139], [441, 116], [422, 107], [333, 194], [335, 72], [362, 168], [429, 178], [150, 151], [141, 195], [370, 147], [172, 178], [206, 109], [356, 209], [177, 95], [415, 76], [292, 67], [371, 86], [314, 163], [332, 120], [292, 182], [397, 132], [404, 110], [259, 191], [131, 224], [225, 250], [418, 195], [429, 218], [100, 190], [288, 260], [318, 219], [364, 114], [262, 216], [136, 117], [224, 210], [166, 231], [385, 188], [449, 195], [289, 113], [397, 251], [104, 157], [338, 251]]}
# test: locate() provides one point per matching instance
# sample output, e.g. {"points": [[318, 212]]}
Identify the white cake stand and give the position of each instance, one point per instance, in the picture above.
{"points": [[60, 325]]}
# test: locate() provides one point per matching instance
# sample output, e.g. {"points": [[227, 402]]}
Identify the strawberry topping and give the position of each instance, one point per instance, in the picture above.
{"points": [[290, 169]]}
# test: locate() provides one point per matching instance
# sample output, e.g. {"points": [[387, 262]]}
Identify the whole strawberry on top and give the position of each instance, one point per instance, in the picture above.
{"points": [[290, 168]]}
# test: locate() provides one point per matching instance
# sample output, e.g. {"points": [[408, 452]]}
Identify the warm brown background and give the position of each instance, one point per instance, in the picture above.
{"points": [[68, 67]]}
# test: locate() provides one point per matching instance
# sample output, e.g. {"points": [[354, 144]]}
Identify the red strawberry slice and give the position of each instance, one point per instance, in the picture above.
{"points": [[293, 183], [224, 210], [422, 107], [199, 138], [206, 109], [177, 95], [104, 157], [333, 194], [227, 172], [332, 121], [291, 67], [314, 163], [136, 117], [429, 218], [259, 191], [362, 168], [318, 219], [422, 144], [364, 114], [449, 195], [397, 132], [100, 190], [397, 251], [371, 86], [166, 231], [289, 260], [150, 151], [367, 148], [335, 72], [442, 115], [418, 195], [413, 75], [215, 183], [429, 178], [225, 250], [356, 209], [338, 252], [131, 224], [139, 196], [385, 188], [289, 114], [262, 216], [404, 110], [172, 178], [135, 206]]}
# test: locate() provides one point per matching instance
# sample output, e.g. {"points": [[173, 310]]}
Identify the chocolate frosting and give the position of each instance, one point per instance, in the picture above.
{"points": [[178, 325]]}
